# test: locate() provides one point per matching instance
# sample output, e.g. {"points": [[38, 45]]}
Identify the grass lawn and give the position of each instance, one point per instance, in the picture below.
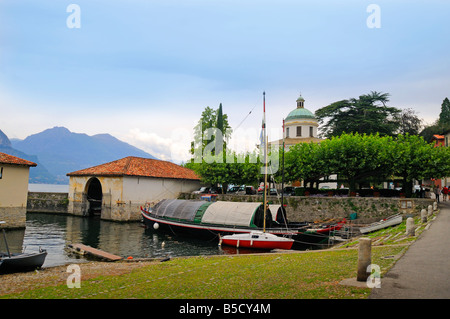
{"points": [[314, 274]]}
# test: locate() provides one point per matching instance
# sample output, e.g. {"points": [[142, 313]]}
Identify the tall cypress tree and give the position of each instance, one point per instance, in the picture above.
{"points": [[444, 116], [219, 126]]}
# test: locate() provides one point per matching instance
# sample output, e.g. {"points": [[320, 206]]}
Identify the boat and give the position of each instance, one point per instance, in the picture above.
{"points": [[390, 221], [208, 220], [258, 240], [327, 229], [20, 262]]}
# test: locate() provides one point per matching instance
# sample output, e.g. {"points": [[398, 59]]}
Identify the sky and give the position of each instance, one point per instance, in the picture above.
{"points": [[144, 70]]}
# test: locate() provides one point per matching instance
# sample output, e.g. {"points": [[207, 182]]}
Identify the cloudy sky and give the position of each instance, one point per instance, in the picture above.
{"points": [[144, 70]]}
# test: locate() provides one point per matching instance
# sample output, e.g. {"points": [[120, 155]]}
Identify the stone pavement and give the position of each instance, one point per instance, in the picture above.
{"points": [[423, 272]]}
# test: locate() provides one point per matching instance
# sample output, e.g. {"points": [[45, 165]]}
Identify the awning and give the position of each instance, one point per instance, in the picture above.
{"points": [[231, 213], [177, 208]]}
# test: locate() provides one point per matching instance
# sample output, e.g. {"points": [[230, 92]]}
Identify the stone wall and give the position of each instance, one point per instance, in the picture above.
{"points": [[15, 217], [47, 202], [311, 208]]}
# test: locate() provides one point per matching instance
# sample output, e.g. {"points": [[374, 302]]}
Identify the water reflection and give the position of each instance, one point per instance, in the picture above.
{"points": [[55, 232]]}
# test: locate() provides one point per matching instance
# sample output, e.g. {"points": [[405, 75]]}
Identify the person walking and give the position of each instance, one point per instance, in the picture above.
{"points": [[437, 192], [445, 191]]}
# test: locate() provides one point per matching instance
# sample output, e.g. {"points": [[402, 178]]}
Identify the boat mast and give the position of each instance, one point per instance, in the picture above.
{"points": [[282, 183], [265, 161]]}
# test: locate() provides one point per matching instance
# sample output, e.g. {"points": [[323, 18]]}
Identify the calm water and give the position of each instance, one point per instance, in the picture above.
{"points": [[55, 232]]}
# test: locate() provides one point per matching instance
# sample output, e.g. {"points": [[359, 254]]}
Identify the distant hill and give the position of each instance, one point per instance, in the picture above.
{"points": [[63, 151], [38, 174]]}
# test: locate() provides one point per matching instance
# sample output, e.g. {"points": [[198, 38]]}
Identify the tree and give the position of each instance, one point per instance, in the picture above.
{"points": [[210, 119], [238, 169], [444, 116], [358, 158], [368, 114], [441, 125], [438, 165], [411, 156], [409, 122], [303, 162]]}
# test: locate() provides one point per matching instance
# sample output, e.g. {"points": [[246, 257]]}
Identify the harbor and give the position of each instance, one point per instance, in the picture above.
{"points": [[56, 232]]}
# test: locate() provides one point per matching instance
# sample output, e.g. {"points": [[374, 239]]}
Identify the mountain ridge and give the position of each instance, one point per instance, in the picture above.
{"points": [[62, 151]]}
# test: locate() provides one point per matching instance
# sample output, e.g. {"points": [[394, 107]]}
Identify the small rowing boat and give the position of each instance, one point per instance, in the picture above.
{"points": [[390, 221]]}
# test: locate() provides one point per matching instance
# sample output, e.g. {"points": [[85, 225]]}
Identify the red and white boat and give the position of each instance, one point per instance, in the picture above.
{"points": [[257, 239]]}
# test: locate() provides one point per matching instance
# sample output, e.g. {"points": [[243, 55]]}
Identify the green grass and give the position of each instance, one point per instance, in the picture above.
{"points": [[313, 274]]}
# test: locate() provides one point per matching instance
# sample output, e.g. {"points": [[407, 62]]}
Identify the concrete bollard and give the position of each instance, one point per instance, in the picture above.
{"points": [[430, 210], [410, 228], [364, 258], [423, 215], [434, 206]]}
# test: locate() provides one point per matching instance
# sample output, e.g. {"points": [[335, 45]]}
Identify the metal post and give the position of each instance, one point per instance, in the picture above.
{"points": [[6, 243]]}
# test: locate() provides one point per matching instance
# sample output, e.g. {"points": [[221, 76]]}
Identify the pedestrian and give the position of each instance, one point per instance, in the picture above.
{"points": [[437, 192], [445, 191]]}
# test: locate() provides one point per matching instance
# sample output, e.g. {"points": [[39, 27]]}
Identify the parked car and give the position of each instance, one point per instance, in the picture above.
{"points": [[289, 191], [250, 190], [216, 190], [233, 189], [202, 190]]}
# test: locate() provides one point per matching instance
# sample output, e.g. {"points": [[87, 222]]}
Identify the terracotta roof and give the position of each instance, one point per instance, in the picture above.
{"points": [[9, 159], [138, 166]]}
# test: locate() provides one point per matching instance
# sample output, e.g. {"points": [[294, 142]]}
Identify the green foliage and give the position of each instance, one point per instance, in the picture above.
{"points": [[444, 116], [358, 159], [210, 118], [232, 168], [441, 125], [367, 114]]}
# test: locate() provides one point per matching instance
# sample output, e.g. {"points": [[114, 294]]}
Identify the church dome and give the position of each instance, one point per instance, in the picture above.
{"points": [[300, 113]]}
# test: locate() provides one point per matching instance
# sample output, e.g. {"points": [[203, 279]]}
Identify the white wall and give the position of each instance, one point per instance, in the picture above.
{"points": [[145, 189]]}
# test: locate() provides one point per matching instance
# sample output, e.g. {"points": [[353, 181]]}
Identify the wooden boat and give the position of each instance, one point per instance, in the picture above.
{"points": [[390, 221], [208, 220], [19, 262], [326, 229], [258, 240]]}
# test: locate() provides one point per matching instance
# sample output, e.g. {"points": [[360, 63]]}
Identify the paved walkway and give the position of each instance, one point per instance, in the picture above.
{"points": [[424, 271]]}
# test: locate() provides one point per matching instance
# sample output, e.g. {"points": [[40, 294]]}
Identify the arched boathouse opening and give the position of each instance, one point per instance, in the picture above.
{"points": [[94, 196]]}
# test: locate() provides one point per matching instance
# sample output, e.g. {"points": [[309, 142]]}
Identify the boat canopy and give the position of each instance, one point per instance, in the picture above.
{"points": [[246, 214], [179, 208], [277, 213]]}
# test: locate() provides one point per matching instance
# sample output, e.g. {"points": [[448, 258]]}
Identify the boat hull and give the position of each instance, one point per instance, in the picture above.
{"points": [[22, 262], [392, 221], [203, 231], [303, 239], [257, 241]]}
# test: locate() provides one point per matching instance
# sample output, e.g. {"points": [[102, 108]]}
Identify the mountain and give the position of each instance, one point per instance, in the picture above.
{"points": [[63, 151], [38, 174]]}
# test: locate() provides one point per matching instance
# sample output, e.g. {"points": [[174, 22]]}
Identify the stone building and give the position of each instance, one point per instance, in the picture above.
{"points": [[117, 189], [14, 174]]}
